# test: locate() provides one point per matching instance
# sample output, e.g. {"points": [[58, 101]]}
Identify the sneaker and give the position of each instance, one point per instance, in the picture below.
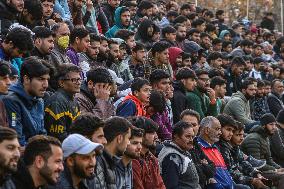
{"points": [[257, 164]]}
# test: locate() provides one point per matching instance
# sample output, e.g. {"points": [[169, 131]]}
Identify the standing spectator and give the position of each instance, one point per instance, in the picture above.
{"points": [[79, 42], [117, 133], [146, 173], [238, 106], [176, 165], [61, 108], [24, 105], [10, 155], [220, 16], [109, 8], [185, 81], [134, 103], [124, 172], [95, 93], [202, 99], [274, 98], [41, 163], [44, 43], [121, 21], [268, 21], [61, 42], [5, 82]]}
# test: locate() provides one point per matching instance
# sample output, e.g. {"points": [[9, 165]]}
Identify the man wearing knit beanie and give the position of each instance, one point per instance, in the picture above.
{"points": [[268, 122]]}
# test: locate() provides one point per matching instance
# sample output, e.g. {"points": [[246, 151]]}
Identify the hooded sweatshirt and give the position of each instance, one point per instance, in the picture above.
{"points": [[174, 52], [118, 25]]}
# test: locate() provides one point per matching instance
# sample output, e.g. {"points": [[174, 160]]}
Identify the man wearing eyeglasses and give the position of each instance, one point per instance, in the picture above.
{"points": [[61, 108]]}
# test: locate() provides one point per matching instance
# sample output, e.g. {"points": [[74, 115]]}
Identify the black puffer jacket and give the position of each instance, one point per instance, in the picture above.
{"points": [[8, 16], [179, 101]]}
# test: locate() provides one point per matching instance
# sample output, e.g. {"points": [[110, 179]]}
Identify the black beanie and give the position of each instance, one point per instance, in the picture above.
{"points": [[280, 117], [267, 118]]}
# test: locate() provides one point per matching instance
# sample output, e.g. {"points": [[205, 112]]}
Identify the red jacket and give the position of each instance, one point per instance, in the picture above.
{"points": [[146, 173]]}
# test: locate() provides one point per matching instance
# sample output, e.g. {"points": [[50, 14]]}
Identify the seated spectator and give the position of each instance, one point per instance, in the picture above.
{"points": [[180, 35], [134, 103], [185, 81], [146, 173], [199, 24], [24, 104], [78, 19], [79, 42], [42, 153], [258, 68], [109, 8], [169, 35], [95, 93], [61, 108], [121, 21], [245, 48], [117, 133], [218, 84], [176, 165], [210, 132], [49, 18], [128, 37], [274, 98], [202, 99], [61, 7], [145, 33], [238, 106], [5, 82], [214, 60], [9, 151], [257, 145], [217, 45]]}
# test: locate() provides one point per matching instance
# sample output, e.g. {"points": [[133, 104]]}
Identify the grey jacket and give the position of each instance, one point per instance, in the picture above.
{"points": [[7, 183], [239, 108], [124, 176]]}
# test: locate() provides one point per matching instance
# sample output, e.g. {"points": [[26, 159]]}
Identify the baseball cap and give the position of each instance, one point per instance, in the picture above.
{"points": [[76, 143]]}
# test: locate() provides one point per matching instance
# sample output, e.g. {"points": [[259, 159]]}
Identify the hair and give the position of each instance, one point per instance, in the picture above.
{"points": [[39, 145], [124, 34], [260, 83], [246, 83], [200, 72], [219, 12], [64, 69], [274, 82], [213, 56], [99, 75], [185, 56], [56, 27], [115, 126], [42, 32], [157, 75], [157, 101], [138, 83], [226, 44], [129, 4], [52, 1], [34, 8], [86, 125], [94, 38], [148, 125], [215, 72], [192, 31], [159, 47], [226, 120], [179, 127], [190, 113], [238, 61], [217, 80], [207, 121], [167, 30], [112, 42], [210, 28], [139, 46], [185, 73], [21, 39], [145, 4], [78, 32], [246, 43], [185, 6], [240, 127], [4, 68], [197, 22], [136, 132], [34, 67], [124, 9], [216, 41], [267, 83], [180, 19], [7, 134]]}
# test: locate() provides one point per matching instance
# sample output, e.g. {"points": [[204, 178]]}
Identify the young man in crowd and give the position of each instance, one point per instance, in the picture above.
{"points": [[94, 96], [24, 105], [42, 163], [5, 82], [202, 99], [176, 165], [61, 108], [274, 98], [169, 35], [109, 8], [277, 140], [137, 63], [134, 104], [10, 155], [146, 173], [218, 84]]}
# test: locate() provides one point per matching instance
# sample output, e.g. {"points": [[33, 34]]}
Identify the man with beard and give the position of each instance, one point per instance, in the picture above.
{"points": [[9, 156], [202, 99], [218, 84], [78, 19], [193, 35], [124, 166], [79, 162], [5, 82], [122, 21], [24, 104], [205, 42], [259, 105], [43, 41], [245, 48], [274, 98], [220, 16], [180, 35], [238, 106], [257, 71], [210, 132], [112, 54], [9, 12], [257, 145], [103, 51], [41, 164], [176, 165], [146, 173], [117, 133]]}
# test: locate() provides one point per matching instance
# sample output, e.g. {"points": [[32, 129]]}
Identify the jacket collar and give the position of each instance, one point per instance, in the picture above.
{"points": [[68, 177], [205, 144], [87, 93], [66, 94]]}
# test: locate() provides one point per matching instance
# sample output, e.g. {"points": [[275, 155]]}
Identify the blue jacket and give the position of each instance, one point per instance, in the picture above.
{"points": [[117, 26], [25, 113]]}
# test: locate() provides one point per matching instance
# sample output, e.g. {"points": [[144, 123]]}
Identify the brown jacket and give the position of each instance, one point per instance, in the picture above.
{"points": [[3, 116]]}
